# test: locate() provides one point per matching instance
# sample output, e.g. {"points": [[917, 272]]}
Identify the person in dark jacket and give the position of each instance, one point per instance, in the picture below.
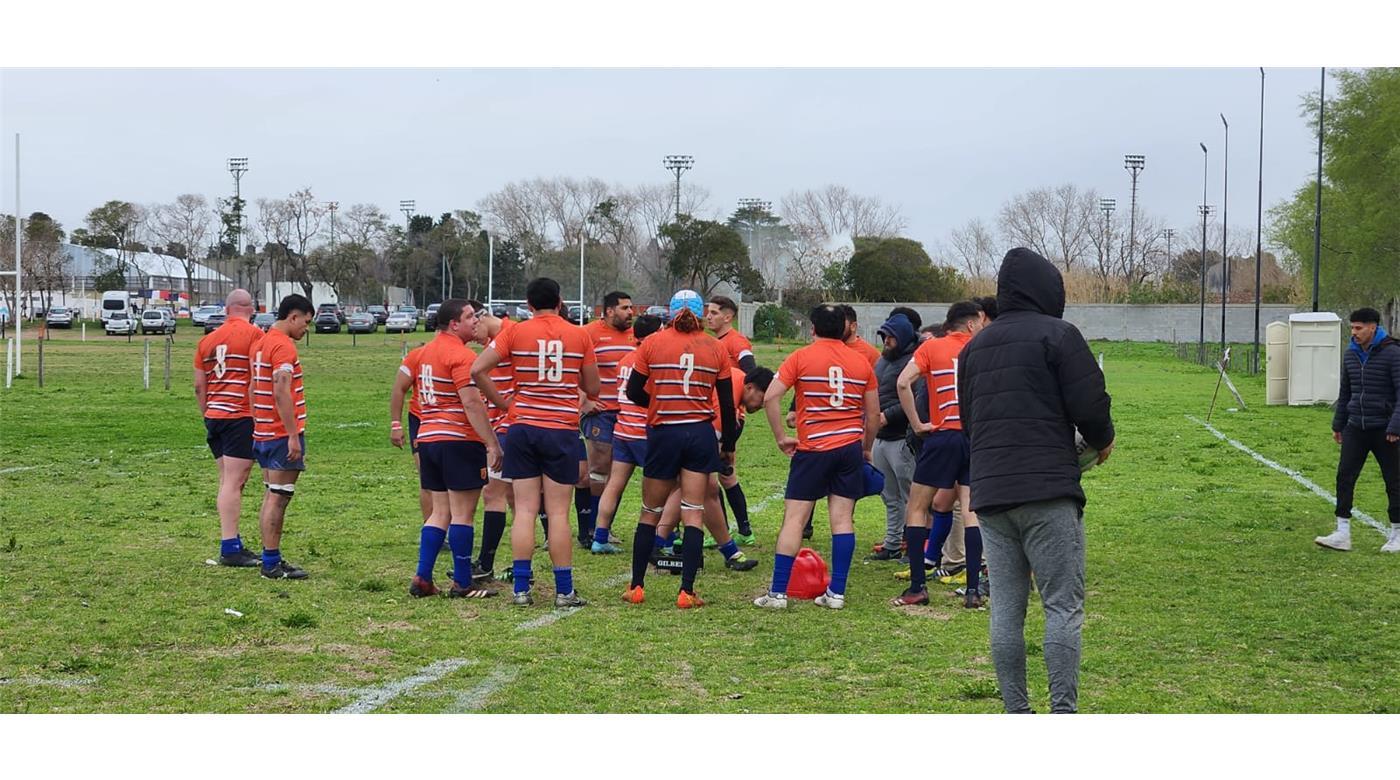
{"points": [[1367, 421], [891, 455], [1025, 384]]}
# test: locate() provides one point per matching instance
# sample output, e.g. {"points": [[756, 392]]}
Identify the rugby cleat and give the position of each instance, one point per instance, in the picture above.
{"points": [[744, 540], [903, 574], [570, 599], [910, 598], [972, 600], [1337, 540], [953, 578], [831, 600], [456, 592], [482, 574], [522, 599], [740, 562], [884, 554], [419, 588], [688, 601], [242, 559], [634, 595], [608, 548], [771, 600], [283, 571]]}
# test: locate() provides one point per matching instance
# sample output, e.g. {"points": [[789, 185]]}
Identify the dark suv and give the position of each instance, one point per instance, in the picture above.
{"points": [[327, 322], [430, 323], [333, 308]]}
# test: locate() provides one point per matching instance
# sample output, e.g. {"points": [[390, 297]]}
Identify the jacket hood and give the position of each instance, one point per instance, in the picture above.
{"points": [[1376, 341], [902, 329], [1029, 282]]}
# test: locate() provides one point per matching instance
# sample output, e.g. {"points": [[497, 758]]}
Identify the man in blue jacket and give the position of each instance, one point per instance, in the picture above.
{"points": [[1367, 422]]}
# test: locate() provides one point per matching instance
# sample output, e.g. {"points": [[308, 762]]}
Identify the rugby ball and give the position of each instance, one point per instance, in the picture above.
{"points": [[1088, 456]]}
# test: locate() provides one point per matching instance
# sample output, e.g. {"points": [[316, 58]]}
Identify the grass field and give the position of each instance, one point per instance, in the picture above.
{"points": [[1205, 591]]}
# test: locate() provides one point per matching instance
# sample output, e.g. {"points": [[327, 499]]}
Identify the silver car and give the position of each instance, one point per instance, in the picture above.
{"points": [[59, 317], [157, 321], [401, 322], [120, 323]]}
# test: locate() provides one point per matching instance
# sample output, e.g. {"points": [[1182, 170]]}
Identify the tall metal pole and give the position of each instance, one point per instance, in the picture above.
{"points": [[1259, 227], [582, 240], [678, 163], [1134, 163], [1317, 209], [490, 269], [1205, 213], [1225, 237], [19, 272]]}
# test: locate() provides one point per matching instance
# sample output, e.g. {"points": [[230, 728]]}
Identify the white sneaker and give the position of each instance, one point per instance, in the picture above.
{"points": [[1337, 540], [1393, 545], [831, 600], [771, 600]]}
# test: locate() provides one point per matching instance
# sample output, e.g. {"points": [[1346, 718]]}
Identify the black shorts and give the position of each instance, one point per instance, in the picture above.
{"points": [[671, 448], [413, 423], [231, 436], [550, 452], [451, 465], [817, 474], [944, 460]]}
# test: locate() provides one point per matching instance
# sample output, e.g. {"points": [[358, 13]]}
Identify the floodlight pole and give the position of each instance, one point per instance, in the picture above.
{"points": [[19, 272], [1169, 232], [1225, 237], [237, 166], [407, 206], [1205, 214], [1107, 206], [1259, 228], [490, 269], [1317, 208], [678, 164], [1134, 163]]}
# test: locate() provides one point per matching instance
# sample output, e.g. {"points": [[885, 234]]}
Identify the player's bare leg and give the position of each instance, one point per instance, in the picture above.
{"points": [[842, 512], [281, 486], [460, 536], [609, 501], [233, 475], [795, 514], [655, 494]]}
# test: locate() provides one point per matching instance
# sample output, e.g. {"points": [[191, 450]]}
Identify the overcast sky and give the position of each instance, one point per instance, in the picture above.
{"points": [[946, 145]]}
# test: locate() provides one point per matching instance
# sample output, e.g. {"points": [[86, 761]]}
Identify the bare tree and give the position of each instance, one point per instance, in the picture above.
{"points": [[304, 217], [976, 249], [1025, 221], [185, 223], [836, 211]]}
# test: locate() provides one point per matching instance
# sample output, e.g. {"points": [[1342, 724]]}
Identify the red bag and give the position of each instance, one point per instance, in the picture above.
{"points": [[810, 577]]}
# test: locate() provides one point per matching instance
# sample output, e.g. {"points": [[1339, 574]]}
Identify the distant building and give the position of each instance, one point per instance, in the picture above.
{"points": [[151, 278]]}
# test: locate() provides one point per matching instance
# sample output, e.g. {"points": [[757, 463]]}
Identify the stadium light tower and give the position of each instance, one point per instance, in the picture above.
{"points": [[678, 164], [1134, 163], [1169, 233], [765, 206], [237, 166], [332, 206], [407, 206], [1205, 214], [1107, 206], [1225, 238]]}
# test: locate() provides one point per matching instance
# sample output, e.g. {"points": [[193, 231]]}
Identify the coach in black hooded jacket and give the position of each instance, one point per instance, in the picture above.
{"points": [[1025, 382]]}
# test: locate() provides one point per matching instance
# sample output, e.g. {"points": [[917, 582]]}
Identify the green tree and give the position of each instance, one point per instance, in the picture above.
{"points": [[898, 269], [704, 253], [1360, 262], [113, 225]]}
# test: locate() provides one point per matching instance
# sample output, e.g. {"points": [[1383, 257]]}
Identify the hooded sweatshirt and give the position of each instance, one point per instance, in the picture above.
{"points": [[887, 370], [1369, 397], [1025, 383]]}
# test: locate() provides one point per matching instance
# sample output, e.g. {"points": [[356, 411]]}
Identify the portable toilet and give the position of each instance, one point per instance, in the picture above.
{"points": [[1314, 357], [1276, 355]]}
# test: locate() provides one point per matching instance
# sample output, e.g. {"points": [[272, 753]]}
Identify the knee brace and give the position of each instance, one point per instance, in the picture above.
{"points": [[652, 510], [686, 505], [285, 491], [595, 476]]}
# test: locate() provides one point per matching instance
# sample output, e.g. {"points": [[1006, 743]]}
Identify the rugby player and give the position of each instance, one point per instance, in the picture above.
{"points": [[551, 360], [853, 339], [496, 497], [941, 472], [838, 413], [221, 375], [629, 447], [279, 426], [676, 375], [396, 437], [613, 340], [719, 318]]}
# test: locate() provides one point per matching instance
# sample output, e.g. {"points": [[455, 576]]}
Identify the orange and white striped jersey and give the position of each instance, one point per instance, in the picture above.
{"points": [[408, 369], [547, 354], [275, 353], [736, 345], [938, 360], [631, 418], [504, 380], [440, 370], [830, 380], [681, 370], [864, 348], [226, 358], [609, 347], [736, 379]]}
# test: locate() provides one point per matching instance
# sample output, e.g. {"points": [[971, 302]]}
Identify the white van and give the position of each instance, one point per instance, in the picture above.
{"points": [[114, 301]]}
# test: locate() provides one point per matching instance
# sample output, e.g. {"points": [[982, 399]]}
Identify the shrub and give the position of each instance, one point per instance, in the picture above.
{"points": [[773, 322]]}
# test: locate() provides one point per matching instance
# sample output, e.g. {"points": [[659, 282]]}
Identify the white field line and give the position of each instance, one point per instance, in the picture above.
{"points": [[1297, 477], [373, 698], [53, 682], [16, 469], [475, 699], [762, 505], [353, 425], [549, 619]]}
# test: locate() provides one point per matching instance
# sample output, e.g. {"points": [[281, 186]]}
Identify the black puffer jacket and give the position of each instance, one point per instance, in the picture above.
{"points": [[1024, 384], [887, 372], [1368, 396]]}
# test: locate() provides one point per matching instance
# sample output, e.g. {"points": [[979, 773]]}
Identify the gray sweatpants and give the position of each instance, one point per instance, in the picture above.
{"points": [[893, 458], [1046, 537]]}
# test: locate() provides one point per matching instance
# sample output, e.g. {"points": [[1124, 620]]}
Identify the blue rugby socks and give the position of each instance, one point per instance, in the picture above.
{"points": [[229, 547], [729, 549], [843, 550], [942, 526], [459, 538], [430, 541], [600, 534], [520, 575], [782, 572], [563, 580], [271, 558]]}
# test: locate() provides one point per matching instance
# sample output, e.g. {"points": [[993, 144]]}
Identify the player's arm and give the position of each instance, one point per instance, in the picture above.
{"points": [[402, 383], [286, 407], [872, 421], [729, 423], [201, 390], [637, 388], [747, 363], [772, 409], [589, 383], [481, 375], [481, 423], [905, 386]]}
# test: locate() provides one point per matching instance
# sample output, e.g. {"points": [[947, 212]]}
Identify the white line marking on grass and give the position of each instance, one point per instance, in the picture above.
{"points": [[545, 620], [375, 697], [53, 682], [762, 505], [1297, 477], [353, 425], [475, 699], [14, 469]]}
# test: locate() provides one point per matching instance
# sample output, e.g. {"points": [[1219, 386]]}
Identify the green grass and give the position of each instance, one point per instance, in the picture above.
{"points": [[1205, 592]]}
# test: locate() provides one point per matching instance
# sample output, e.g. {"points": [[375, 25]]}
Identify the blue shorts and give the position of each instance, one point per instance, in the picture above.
{"points": [[598, 427], [272, 454], [413, 423], [231, 437], [451, 465], [817, 474], [632, 451], [673, 448], [549, 452], [580, 448], [944, 460]]}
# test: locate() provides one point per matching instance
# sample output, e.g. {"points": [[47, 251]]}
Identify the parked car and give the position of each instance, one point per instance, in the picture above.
{"points": [[363, 322], [59, 317], [578, 315], [203, 313], [120, 323], [327, 322], [500, 310], [333, 308], [430, 317], [663, 312], [411, 311], [379, 312], [522, 314], [157, 321], [401, 322], [213, 321], [264, 320]]}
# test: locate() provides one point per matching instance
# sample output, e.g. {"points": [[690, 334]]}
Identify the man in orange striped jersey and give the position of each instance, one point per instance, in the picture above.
{"points": [[279, 426], [496, 497], [551, 360], [838, 413], [455, 444], [612, 341], [719, 318], [396, 434], [629, 441], [222, 363]]}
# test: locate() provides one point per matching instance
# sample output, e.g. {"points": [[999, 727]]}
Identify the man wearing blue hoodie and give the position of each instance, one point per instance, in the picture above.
{"points": [[891, 455], [1367, 422]]}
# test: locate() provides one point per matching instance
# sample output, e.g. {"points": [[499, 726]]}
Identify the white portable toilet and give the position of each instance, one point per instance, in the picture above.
{"points": [[1314, 357], [1276, 356]]}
